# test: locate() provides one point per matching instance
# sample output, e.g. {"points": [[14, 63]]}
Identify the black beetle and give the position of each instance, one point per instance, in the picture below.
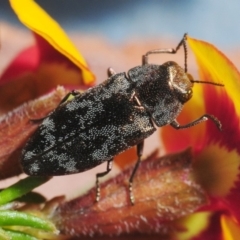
{"points": [[107, 119]]}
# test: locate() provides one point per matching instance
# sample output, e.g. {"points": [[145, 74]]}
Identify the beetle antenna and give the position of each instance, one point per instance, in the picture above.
{"points": [[183, 43], [207, 82], [185, 51]]}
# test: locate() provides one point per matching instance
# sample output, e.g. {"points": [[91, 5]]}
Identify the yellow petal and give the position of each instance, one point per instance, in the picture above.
{"points": [[231, 229], [225, 71], [36, 19], [191, 225], [217, 167]]}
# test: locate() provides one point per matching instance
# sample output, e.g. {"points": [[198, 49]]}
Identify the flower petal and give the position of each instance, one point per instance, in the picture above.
{"points": [[35, 72], [223, 102], [27, 61], [218, 68], [126, 158], [39, 69], [191, 225], [230, 227], [217, 166], [36, 19]]}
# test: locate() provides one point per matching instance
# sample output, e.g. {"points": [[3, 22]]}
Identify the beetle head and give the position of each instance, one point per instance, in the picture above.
{"points": [[179, 81]]}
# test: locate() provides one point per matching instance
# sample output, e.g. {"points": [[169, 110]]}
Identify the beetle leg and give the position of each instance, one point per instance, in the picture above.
{"points": [[132, 95], [135, 98], [99, 175], [73, 92], [203, 118], [169, 50], [139, 154], [110, 72]]}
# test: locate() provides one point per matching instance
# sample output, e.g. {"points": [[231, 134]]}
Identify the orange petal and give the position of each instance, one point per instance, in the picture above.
{"points": [[126, 158], [218, 163], [215, 66], [223, 102], [230, 228], [36, 19]]}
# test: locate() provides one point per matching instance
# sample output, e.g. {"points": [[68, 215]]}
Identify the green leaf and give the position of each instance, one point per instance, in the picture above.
{"points": [[21, 188], [15, 218], [13, 235]]}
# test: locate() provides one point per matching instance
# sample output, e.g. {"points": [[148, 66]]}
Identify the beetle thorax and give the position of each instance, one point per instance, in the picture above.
{"points": [[179, 81]]}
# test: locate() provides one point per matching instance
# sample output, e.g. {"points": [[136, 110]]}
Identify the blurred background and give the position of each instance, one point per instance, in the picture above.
{"points": [[116, 33], [213, 20], [94, 26]]}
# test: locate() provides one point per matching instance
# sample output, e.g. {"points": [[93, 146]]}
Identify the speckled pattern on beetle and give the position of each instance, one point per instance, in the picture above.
{"points": [[107, 119]]}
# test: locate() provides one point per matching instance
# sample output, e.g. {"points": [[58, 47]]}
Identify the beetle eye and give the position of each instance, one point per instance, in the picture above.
{"points": [[187, 95], [184, 97], [190, 93]]}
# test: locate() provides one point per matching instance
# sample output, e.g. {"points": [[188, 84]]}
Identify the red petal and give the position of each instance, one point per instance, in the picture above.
{"points": [[26, 61]]}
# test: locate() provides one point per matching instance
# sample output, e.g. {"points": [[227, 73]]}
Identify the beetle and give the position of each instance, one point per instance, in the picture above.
{"points": [[109, 118]]}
